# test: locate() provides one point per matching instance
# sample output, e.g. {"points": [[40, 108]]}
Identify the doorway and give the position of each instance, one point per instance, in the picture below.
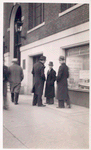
{"points": [[36, 58]]}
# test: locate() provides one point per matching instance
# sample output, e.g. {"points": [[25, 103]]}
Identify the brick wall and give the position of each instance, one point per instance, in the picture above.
{"points": [[53, 23], [7, 7]]}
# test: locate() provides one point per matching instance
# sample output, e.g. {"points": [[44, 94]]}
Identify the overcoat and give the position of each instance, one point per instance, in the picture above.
{"points": [[5, 79], [62, 86], [49, 89], [15, 78], [39, 78]]}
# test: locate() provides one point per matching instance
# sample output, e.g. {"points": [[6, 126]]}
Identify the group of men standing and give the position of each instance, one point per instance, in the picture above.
{"points": [[14, 74], [61, 78]]}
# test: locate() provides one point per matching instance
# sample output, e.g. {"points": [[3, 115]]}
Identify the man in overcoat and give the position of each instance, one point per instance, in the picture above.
{"points": [[39, 79], [5, 79], [50, 89], [62, 86], [15, 78]]}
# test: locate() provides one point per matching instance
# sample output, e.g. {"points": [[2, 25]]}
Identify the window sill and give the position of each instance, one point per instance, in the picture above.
{"points": [[40, 25], [79, 90], [70, 9]]}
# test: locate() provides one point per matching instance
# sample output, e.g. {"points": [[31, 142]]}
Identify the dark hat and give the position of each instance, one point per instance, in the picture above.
{"points": [[50, 63], [61, 58], [42, 58]]}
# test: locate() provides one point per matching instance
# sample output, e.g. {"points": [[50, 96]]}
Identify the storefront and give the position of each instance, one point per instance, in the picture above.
{"points": [[77, 59], [73, 43]]}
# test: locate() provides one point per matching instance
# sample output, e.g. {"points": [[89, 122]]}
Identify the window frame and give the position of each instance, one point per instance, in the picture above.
{"points": [[69, 10], [34, 18]]}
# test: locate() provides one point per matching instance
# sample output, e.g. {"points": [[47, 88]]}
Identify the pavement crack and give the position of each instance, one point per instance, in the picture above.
{"points": [[15, 137]]}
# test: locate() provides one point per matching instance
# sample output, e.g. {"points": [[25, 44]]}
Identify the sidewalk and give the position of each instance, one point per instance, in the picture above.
{"points": [[27, 126]]}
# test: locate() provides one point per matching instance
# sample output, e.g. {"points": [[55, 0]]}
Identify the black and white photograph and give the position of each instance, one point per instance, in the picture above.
{"points": [[46, 74]]}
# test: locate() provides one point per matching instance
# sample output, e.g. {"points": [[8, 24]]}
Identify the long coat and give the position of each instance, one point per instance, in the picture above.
{"points": [[5, 79], [49, 89], [39, 78], [62, 86], [15, 78]]}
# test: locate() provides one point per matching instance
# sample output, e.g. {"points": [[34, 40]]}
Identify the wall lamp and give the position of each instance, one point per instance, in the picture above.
{"points": [[18, 28]]}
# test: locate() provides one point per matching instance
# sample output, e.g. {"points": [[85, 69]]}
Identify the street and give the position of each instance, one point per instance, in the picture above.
{"points": [[27, 126]]}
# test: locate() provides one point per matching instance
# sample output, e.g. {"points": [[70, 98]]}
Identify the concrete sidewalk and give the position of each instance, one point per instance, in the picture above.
{"points": [[27, 126]]}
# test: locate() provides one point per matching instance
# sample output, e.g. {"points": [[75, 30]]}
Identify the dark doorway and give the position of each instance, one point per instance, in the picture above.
{"points": [[36, 58], [17, 36]]}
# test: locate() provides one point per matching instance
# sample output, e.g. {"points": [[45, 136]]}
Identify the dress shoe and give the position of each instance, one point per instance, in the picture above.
{"points": [[5, 108], [69, 106], [42, 105], [16, 103], [60, 107]]}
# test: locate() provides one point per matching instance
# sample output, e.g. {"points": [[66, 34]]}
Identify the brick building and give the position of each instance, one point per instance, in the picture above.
{"points": [[50, 29]]}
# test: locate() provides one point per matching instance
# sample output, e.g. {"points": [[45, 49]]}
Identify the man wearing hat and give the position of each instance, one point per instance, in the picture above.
{"points": [[62, 86], [39, 78], [15, 78], [5, 80], [50, 90]]}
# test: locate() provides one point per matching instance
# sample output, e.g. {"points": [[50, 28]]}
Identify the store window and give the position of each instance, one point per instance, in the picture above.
{"points": [[65, 6], [36, 14], [77, 59]]}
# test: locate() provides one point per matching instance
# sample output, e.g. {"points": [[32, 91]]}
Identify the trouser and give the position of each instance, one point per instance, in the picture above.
{"points": [[61, 103], [37, 99], [12, 97], [68, 101], [5, 102], [50, 100]]}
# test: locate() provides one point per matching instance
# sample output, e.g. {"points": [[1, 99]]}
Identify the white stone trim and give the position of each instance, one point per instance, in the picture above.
{"points": [[40, 25], [69, 9], [63, 34]]}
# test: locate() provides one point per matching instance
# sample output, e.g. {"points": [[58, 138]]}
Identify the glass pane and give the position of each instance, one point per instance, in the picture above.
{"points": [[66, 6], [63, 7], [38, 21], [38, 11], [78, 72], [37, 14], [38, 4]]}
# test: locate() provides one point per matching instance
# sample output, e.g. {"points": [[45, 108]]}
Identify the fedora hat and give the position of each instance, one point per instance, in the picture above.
{"points": [[50, 63], [61, 58], [42, 58]]}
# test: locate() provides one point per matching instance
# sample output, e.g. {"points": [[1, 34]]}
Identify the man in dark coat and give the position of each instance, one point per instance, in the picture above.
{"points": [[39, 78], [5, 79], [15, 78], [62, 86], [50, 90]]}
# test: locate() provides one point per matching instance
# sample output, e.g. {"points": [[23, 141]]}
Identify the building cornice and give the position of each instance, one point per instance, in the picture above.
{"points": [[63, 34]]}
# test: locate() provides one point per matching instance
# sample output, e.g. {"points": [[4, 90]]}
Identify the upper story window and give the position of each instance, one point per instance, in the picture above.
{"points": [[65, 6], [36, 14]]}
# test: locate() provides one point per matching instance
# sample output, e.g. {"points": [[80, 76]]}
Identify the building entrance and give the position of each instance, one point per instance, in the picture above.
{"points": [[36, 58]]}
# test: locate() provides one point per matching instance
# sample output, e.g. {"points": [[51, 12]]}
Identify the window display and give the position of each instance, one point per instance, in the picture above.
{"points": [[77, 59]]}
